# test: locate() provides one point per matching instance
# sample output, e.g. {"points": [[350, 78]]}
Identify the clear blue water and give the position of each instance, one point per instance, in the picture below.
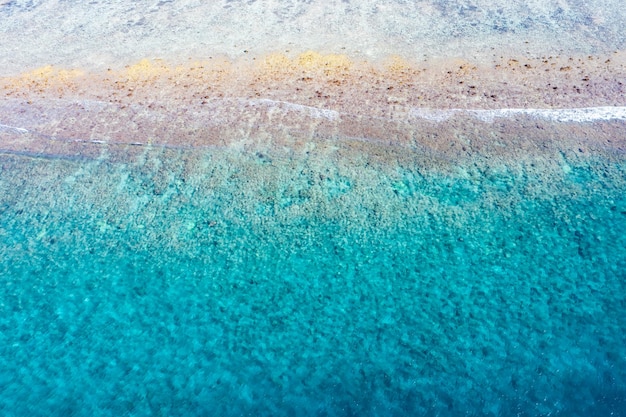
{"points": [[196, 283]]}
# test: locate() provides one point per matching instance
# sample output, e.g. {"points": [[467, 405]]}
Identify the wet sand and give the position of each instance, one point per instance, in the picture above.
{"points": [[442, 111]]}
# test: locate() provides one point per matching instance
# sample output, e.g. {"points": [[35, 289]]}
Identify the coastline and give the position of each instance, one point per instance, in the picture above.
{"points": [[451, 109]]}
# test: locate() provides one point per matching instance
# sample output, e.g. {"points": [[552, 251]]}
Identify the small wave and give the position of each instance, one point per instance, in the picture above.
{"points": [[13, 129], [315, 112], [575, 115]]}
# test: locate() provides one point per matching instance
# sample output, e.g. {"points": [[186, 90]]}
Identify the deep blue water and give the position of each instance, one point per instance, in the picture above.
{"points": [[244, 286]]}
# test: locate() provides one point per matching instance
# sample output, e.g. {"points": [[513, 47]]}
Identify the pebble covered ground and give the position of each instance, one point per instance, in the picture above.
{"points": [[313, 97]]}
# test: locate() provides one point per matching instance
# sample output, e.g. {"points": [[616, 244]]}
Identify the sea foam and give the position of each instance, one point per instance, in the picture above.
{"points": [[574, 115]]}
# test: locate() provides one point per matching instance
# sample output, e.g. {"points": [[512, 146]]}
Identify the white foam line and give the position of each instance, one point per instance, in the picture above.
{"points": [[15, 129], [315, 112], [576, 115], [435, 115]]}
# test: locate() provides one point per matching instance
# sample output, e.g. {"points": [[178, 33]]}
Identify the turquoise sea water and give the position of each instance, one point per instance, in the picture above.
{"points": [[215, 282]]}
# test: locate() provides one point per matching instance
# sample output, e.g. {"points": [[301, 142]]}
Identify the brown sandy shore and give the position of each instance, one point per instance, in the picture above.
{"points": [[280, 103]]}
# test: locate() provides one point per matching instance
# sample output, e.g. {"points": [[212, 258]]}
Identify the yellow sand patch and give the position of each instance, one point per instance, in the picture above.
{"points": [[145, 70], [308, 61], [40, 80], [397, 64], [49, 75], [276, 62], [314, 60]]}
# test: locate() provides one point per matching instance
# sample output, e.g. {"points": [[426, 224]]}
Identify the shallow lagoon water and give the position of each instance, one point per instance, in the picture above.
{"points": [[141, 288]]}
